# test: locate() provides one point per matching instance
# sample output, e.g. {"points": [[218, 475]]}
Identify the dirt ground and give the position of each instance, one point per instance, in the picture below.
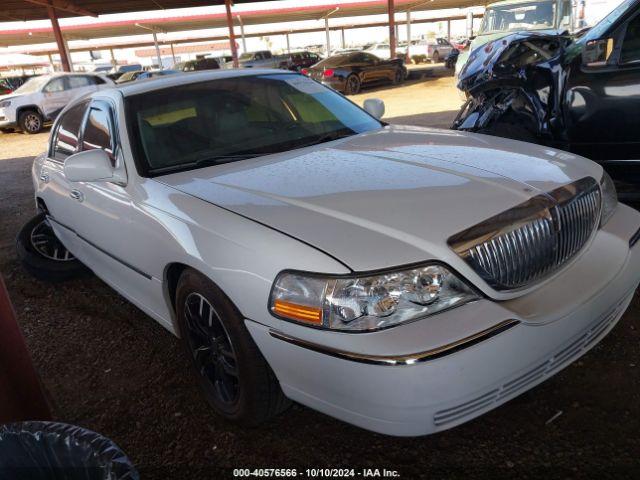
{"points": [[108, 367]]}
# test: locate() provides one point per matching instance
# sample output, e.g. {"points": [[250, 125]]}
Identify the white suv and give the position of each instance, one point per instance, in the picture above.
{"points": [[41, 98]]}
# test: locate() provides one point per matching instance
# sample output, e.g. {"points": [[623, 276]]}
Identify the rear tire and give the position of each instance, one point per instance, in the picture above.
{"points": [[30, 122], [236, 380], [398, 76], [42, 254], [352, 85]]}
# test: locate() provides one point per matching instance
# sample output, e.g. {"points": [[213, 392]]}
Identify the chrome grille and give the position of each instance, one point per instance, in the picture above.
{"points": [[532, 240]]}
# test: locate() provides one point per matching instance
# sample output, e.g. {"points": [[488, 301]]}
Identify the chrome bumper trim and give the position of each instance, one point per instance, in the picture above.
{"points": [[397, 360]]}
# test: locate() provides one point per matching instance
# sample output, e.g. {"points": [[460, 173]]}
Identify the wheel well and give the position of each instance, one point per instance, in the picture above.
{"points": [[28, 108], [172, 275], [42, 206]]}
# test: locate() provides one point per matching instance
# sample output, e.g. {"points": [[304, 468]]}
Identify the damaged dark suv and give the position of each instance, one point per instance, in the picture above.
{"points": [[578, 93]]}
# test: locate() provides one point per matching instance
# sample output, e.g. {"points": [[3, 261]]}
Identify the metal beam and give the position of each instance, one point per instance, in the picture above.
{"points": [[64, 5], [62, 45], [232, 35], [288, 44], [392, 27], [248, 35]]}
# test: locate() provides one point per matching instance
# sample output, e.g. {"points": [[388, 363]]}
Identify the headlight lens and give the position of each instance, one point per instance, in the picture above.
{"points": [[372, 302], [5, 103], [609, 198]]}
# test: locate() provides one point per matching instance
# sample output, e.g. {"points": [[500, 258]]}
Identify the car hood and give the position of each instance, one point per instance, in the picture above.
{"points": [[8, 96], [388, 197]]}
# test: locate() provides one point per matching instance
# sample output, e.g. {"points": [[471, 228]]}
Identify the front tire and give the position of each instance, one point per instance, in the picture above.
{"points": [[43, 255], [234, 376], [352, 85], [436, 57], [31, 122]]}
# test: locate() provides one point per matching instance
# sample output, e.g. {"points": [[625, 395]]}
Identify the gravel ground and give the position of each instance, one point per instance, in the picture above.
{"points": [[108, 367]]}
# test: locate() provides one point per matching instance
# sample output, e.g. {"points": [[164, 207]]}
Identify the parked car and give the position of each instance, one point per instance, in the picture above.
{"points": [[296, 61], [129, 76], [260, 59], [402, 279], [380, 50], [9, 84], [579, 94], [197, 65], [434, 49], [348, 73], [451, 59], [40, 99]]}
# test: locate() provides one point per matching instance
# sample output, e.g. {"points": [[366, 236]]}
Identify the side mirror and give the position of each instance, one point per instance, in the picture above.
{"points": [[89, 166], [374, 107], [596, 52]]}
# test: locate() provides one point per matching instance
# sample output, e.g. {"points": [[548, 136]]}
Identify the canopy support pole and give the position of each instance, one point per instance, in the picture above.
{"points": [[288, 44], [244, 41], [173, 54], [343, 44], [232, 35], [155, 43], [392, 27], [409, 35], [327, 36], [62, 44]]}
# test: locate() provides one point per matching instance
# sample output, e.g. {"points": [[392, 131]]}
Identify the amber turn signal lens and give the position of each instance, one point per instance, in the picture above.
{"points": [[297, 312]]}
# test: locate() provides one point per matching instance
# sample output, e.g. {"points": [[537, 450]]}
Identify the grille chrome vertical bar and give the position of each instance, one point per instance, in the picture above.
{"points": [[533, 239]]}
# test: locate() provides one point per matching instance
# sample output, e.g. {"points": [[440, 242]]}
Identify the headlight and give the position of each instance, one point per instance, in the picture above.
{"points": [[609, 198], [368, 302], [5, 104]]}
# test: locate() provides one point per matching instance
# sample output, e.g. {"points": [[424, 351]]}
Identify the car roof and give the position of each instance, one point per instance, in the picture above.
{"points": [[186, 78]]}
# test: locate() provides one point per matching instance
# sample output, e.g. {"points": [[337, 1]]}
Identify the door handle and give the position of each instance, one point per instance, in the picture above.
{"points": [[44, 177], [76, 195]]}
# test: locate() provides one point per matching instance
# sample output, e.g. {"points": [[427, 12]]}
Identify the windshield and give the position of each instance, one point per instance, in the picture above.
{"points": [[33, 84], [231, 119], [518, 16]]}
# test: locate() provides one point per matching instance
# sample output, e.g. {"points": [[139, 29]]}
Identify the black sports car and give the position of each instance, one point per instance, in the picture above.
{"points": [[347, 73]]}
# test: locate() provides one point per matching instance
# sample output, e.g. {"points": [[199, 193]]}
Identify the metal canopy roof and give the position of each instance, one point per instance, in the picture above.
{"points": [[176, 22], [22, 10]]}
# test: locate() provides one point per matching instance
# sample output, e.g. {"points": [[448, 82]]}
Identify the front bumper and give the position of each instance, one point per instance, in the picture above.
{"points": [[6, 120], [554, 325]]}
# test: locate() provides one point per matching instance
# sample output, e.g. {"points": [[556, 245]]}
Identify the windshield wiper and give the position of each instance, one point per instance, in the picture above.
{"points": [[329, 137], [216, 160]]}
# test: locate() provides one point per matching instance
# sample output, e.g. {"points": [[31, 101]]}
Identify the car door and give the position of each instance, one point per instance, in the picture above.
{"points": [[369, 64], [445, 48], [55, 96], [53, 187], [113, 232], [603, 102]]}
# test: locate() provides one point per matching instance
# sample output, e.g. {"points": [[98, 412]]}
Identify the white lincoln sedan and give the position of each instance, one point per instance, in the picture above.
{"points": [[402, 279]]}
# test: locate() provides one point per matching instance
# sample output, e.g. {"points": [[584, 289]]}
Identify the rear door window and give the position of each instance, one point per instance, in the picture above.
{"points": [[79, 81]]}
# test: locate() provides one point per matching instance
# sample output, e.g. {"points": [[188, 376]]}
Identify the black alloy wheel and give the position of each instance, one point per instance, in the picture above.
{"points": [[213, 354], [43, 255], [353, 84], [235, 378]]}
